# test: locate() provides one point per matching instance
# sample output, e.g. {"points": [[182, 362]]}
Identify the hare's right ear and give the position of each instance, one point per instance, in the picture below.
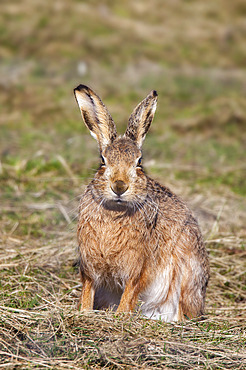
{"points": [[141, 118], [96, 116]]}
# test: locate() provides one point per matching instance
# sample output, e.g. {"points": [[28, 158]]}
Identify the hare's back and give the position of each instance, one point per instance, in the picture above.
{"points": [[175, 223]]}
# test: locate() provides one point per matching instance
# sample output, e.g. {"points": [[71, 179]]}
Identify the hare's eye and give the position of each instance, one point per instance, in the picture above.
{"points": [[102, 161], [139, 164]]}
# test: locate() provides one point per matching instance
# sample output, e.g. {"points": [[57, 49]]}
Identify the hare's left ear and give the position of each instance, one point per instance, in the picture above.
{"points": [[141, 118], [96, 116]]}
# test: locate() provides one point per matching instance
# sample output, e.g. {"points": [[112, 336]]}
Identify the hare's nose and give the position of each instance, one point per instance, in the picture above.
{"points": [[119, 187]]}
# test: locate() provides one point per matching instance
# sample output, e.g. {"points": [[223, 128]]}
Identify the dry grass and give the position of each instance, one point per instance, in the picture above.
{"points": [[57, 337]]}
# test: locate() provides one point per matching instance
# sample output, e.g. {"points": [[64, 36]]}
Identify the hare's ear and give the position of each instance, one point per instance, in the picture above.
{"points": [[141, 118], [96, 116]]}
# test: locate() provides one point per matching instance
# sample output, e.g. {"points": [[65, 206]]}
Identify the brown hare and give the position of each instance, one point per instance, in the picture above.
{"points": [[138, 242]]}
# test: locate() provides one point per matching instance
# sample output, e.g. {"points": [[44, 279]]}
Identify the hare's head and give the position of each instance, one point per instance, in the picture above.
{"points": [[120, 180]]}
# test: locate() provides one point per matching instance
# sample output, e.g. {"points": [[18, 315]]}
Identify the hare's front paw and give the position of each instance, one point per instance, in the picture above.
{"points": [[129, 298], [86, 299]]}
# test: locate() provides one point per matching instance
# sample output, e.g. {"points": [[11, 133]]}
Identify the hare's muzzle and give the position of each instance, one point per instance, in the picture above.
{"points": [[119, 187]]}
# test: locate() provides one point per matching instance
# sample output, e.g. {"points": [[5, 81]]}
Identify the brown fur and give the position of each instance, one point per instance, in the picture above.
{"points": [[132, 230]]}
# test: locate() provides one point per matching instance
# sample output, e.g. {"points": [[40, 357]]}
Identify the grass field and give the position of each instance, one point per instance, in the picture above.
{"points": [[193, 53]]}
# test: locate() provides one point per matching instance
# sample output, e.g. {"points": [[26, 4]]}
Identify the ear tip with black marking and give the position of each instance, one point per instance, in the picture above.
{"points": [[154, 93], [80, 88]]}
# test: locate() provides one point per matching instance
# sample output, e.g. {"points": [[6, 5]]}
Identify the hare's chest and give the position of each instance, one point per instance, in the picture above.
{"points": [[111, 249]]}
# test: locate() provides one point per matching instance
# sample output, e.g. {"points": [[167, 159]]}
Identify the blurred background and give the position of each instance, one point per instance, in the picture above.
{"points": [[193, 52]]}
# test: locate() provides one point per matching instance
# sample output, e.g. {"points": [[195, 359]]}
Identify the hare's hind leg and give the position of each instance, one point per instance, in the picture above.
{"points": [[86, 299], [193, 290], [192, 300]]}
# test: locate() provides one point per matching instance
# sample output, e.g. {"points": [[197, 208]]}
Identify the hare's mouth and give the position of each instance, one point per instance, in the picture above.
{"points": [[118, 198], [117, 204], [119, 201]]}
